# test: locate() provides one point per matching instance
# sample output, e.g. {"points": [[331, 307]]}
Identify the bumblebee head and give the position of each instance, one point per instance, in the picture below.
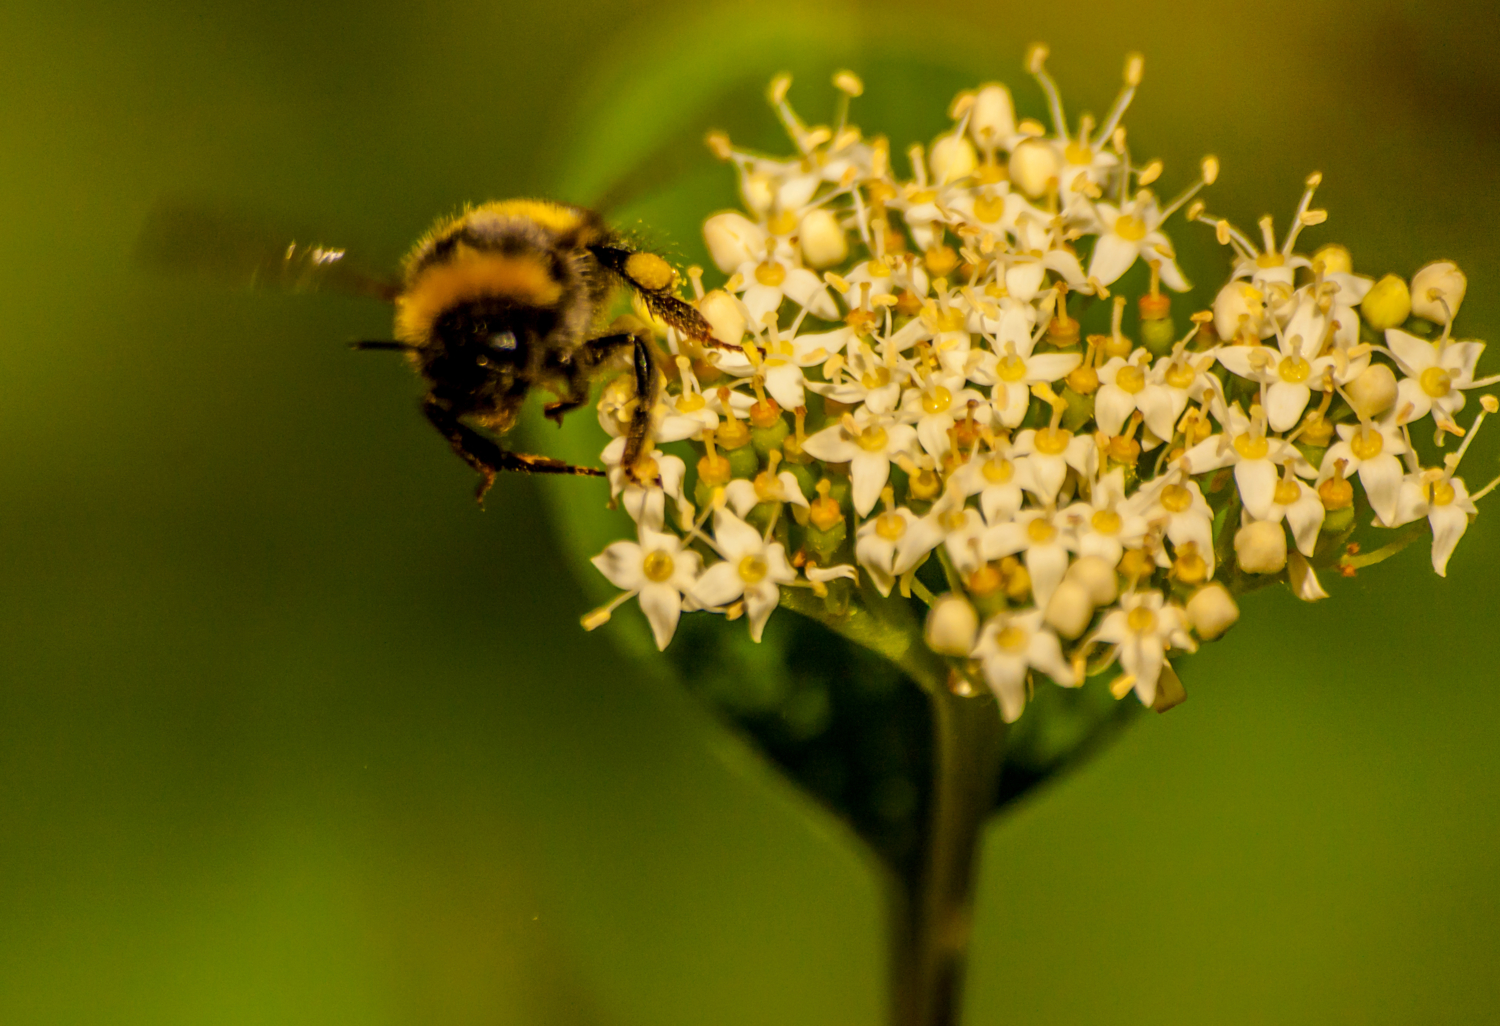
{"points": [[486, 342]]}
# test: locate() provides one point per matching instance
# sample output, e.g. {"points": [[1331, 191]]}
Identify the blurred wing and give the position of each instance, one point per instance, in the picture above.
{"points": [[215, 241]]}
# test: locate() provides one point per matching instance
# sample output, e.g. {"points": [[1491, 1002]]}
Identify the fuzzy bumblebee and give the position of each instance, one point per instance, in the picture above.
{"points": [[503, 298]]}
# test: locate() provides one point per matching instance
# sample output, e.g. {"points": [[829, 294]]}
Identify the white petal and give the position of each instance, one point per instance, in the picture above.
{"points": [[1051, 367], [760, 600], [1112, 405], [620, 563], [786, 384], [869, 472], [1046, 564], [1382, 480], [1448, 525], [1257, 483], [662, 605], [735, 538], [1284, 404], [831, 445], [720, 584], [1413, 354], [1112, 257]]}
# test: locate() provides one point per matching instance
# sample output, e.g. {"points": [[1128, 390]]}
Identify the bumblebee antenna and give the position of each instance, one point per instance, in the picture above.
{"points": [[381, 343]]}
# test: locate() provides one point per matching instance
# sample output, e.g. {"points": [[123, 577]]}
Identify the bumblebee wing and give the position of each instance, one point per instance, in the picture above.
{"points": [[195, 237]]}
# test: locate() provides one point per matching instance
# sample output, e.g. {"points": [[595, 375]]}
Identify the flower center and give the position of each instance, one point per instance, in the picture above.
{"points": [[937, 400], [1052, 441], [1294, 370], [657, 566], [690, 402], [989, 208], [1041, 531], [1141, 620], [1011, 639], [1287, 492], [1268, 260], [923, 196], [1078, 153], [1107, 521], [890, 526], [1130, 379], [1367, 443], [1012, 368], [783, 223], [1436, 382], [873, 438], [998, 470], [954, 519], [1130, 228], [1175, 498], [753, 569], [1442, 493], [1180, 375], [878, 269], [770, 273], [1251, 447], [951, 319]]}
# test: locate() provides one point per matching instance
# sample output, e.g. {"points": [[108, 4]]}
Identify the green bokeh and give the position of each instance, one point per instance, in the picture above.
{"points": [[291, 733]]}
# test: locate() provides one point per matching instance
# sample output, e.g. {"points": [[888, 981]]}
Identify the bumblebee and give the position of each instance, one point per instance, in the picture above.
{"points": [[503, 298]]}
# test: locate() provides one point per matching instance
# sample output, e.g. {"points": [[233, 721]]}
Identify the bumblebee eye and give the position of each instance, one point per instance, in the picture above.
{"points": [[503, 341]]}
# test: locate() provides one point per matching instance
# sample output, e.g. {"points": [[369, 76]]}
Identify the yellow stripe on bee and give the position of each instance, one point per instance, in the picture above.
{"points": [[469, 275], [555, 216]]}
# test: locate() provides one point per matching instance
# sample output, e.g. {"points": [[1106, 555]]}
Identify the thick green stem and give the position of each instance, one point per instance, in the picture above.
{"points": [[932, 906]]}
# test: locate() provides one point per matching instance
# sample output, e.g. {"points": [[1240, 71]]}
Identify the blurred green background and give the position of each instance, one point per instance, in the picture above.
{"points": [[291, 733]]}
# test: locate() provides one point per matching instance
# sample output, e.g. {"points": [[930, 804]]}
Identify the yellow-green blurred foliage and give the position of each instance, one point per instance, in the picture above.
{"points": [[291, 733]]}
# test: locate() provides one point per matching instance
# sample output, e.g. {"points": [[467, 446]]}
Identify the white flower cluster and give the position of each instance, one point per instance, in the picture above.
{"points": [[915, 408]]}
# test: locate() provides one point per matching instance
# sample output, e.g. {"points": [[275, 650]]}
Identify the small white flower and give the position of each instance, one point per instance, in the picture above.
{"points": [[752, 568], [875, 545], [1142, 630], [1444, 500], [1046, 539], [1106, 524], [1437, 375], [767, 281], [646, 503], [659, 570], [1175, 501], [1051, 451], [1245, 446], [1371, 448], [1131, 233], [867, 442], [1125, 387], [934, 406], [1010, 646]]}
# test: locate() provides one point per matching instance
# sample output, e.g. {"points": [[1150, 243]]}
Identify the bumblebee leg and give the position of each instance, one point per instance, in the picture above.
{"points": [[654, 279], [485, 456], [583, 368], [647, 387]]}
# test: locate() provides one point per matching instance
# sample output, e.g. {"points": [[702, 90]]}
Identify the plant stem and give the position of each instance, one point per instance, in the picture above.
{"points": [[931, 905], [967, 735]]}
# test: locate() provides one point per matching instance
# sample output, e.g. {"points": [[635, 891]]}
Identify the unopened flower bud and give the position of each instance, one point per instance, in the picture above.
{"points": [[952, 626], [1387, 304], [1097, 578], [1212, 611], [723, 315], [952, 158], [824, 243], [1335, 259], [1239, 303], [759, 191], [733, 239], [1032, 166], [1070, 609], [1373, 391], [992, 119], [1260, 547], [1437, 290]]}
